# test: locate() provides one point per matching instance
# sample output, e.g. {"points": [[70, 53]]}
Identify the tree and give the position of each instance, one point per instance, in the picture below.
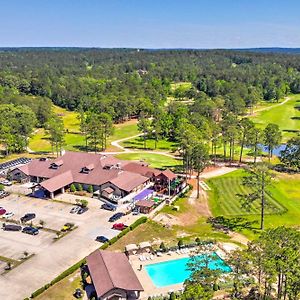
{"points": [[73, 188], [106, 125], [272, 138], [55, 128], [258, 180], [90, 189], [79, 187], [144, 125], [246, 126], [290, 156], [255, 137], [199, 159]]}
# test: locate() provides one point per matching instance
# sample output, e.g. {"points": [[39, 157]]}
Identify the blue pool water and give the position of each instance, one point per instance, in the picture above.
{"points": [[175, 271]]}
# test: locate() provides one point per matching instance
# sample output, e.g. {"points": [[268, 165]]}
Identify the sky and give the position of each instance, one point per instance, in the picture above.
{"points": [[150, 23]]}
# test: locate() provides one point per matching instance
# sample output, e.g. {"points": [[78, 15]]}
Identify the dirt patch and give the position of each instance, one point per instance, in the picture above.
{"points": [[195, 208], [237, 237]]}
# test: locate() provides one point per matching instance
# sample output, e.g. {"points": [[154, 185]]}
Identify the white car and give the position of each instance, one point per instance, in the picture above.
{"points": [[75, 209], [6, 182], [8, 215]]}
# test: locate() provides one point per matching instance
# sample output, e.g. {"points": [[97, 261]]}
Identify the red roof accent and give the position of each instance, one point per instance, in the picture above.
{"points": [[169, 174], [110, 270]]}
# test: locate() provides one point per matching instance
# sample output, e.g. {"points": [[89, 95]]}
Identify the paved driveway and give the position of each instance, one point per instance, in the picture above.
{"points": [[51, 258]]}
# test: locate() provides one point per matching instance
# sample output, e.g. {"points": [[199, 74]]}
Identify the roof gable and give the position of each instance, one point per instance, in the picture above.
{"points": [[110, 270]]}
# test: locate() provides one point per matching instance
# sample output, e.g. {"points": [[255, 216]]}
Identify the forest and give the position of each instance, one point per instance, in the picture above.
{"points": [[112, 85]]}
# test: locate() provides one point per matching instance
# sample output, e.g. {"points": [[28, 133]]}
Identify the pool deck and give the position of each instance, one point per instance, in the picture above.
{"points": [[149, 288]]}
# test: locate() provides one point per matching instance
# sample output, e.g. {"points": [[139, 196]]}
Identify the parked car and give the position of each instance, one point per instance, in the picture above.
{"points": [[108, 206], [30, 230], [82, 210], [27, 217], [116, 217], [6, 182], [67, 227], [3, 194], [75, 209], [78, 293], [2, 211], [119, 226], [8, 215], [102, 239], [11, 227]]}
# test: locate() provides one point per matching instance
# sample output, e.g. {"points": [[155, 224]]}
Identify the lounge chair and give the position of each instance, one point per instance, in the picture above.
{"points": [[178, 251]]}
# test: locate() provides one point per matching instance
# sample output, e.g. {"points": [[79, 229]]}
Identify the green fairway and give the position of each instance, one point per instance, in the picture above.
{"points": [[155, 160], [124, 130], [138, 143], [227, 192], [181, 85], [286, 116], [283, 196]]}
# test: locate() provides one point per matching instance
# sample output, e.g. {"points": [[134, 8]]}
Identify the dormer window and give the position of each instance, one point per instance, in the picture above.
{"points": [[56, 165], [87, 169]]}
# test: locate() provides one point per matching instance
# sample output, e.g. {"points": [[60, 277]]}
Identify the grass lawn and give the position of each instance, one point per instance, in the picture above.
{"points": [[74, 141], [138, 143], [155, 160], [182, 85], [70, 118], [283, 197], [64, 289], [286, 116], [124, 130]]}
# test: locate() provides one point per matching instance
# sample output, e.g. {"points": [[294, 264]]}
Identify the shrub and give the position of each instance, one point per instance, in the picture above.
{"points": [[90, 189], [1, 187], [180, 243], [198, 241], [79, 187], [84, 203], [162, 247], [72, 188]]}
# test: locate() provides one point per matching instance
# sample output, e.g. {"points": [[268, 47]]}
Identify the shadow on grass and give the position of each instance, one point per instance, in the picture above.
{"points": [[233, 224]]}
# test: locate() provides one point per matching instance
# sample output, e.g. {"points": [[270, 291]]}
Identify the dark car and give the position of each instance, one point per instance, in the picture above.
{"points": [[78, 293], [2, 211], [27, 217], [11, 227], [116, 217], [102, 239], [108, 206], [82, 210], [30, 230]]}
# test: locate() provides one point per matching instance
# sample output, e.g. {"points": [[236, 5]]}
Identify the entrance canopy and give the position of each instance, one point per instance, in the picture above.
{"points": [[145, 194]]}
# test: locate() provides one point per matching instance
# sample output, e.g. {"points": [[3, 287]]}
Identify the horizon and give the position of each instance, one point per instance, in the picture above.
{"points": [[171, 24]]}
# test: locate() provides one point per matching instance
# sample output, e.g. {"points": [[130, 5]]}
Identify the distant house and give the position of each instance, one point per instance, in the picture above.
{"points": [[112, 276]]}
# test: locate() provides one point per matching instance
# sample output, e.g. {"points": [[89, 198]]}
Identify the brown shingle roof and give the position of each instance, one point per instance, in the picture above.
{"points": [[127, 181], [74, 162], [169, 174], [57, 182], [145, 203], [110, 270], [140, 169]]}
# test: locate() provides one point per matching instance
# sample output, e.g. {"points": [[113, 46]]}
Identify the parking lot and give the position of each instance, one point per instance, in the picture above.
{"points": [[50, 257]]}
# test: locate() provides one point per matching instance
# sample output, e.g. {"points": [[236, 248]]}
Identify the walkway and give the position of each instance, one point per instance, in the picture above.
{"points": [[286, 99]]}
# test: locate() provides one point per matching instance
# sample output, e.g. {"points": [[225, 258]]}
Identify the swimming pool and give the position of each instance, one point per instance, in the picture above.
{"points": [[175, 271]]}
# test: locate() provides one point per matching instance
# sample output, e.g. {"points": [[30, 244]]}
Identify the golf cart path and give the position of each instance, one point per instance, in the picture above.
{"points": [[286, 99], [123, 149]]}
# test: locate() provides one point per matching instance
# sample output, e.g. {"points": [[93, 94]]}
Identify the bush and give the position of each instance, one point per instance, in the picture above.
{"points": [[180, 243], [90, 189], [72, 188], [79, 187], [162, 247], [84, 203], [1, 187]]}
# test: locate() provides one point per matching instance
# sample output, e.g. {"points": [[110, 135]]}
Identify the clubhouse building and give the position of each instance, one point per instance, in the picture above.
{"points": [[110, 178]]}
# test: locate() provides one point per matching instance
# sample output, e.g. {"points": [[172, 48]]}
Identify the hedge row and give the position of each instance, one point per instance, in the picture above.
{"points": [[76, 266]]}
